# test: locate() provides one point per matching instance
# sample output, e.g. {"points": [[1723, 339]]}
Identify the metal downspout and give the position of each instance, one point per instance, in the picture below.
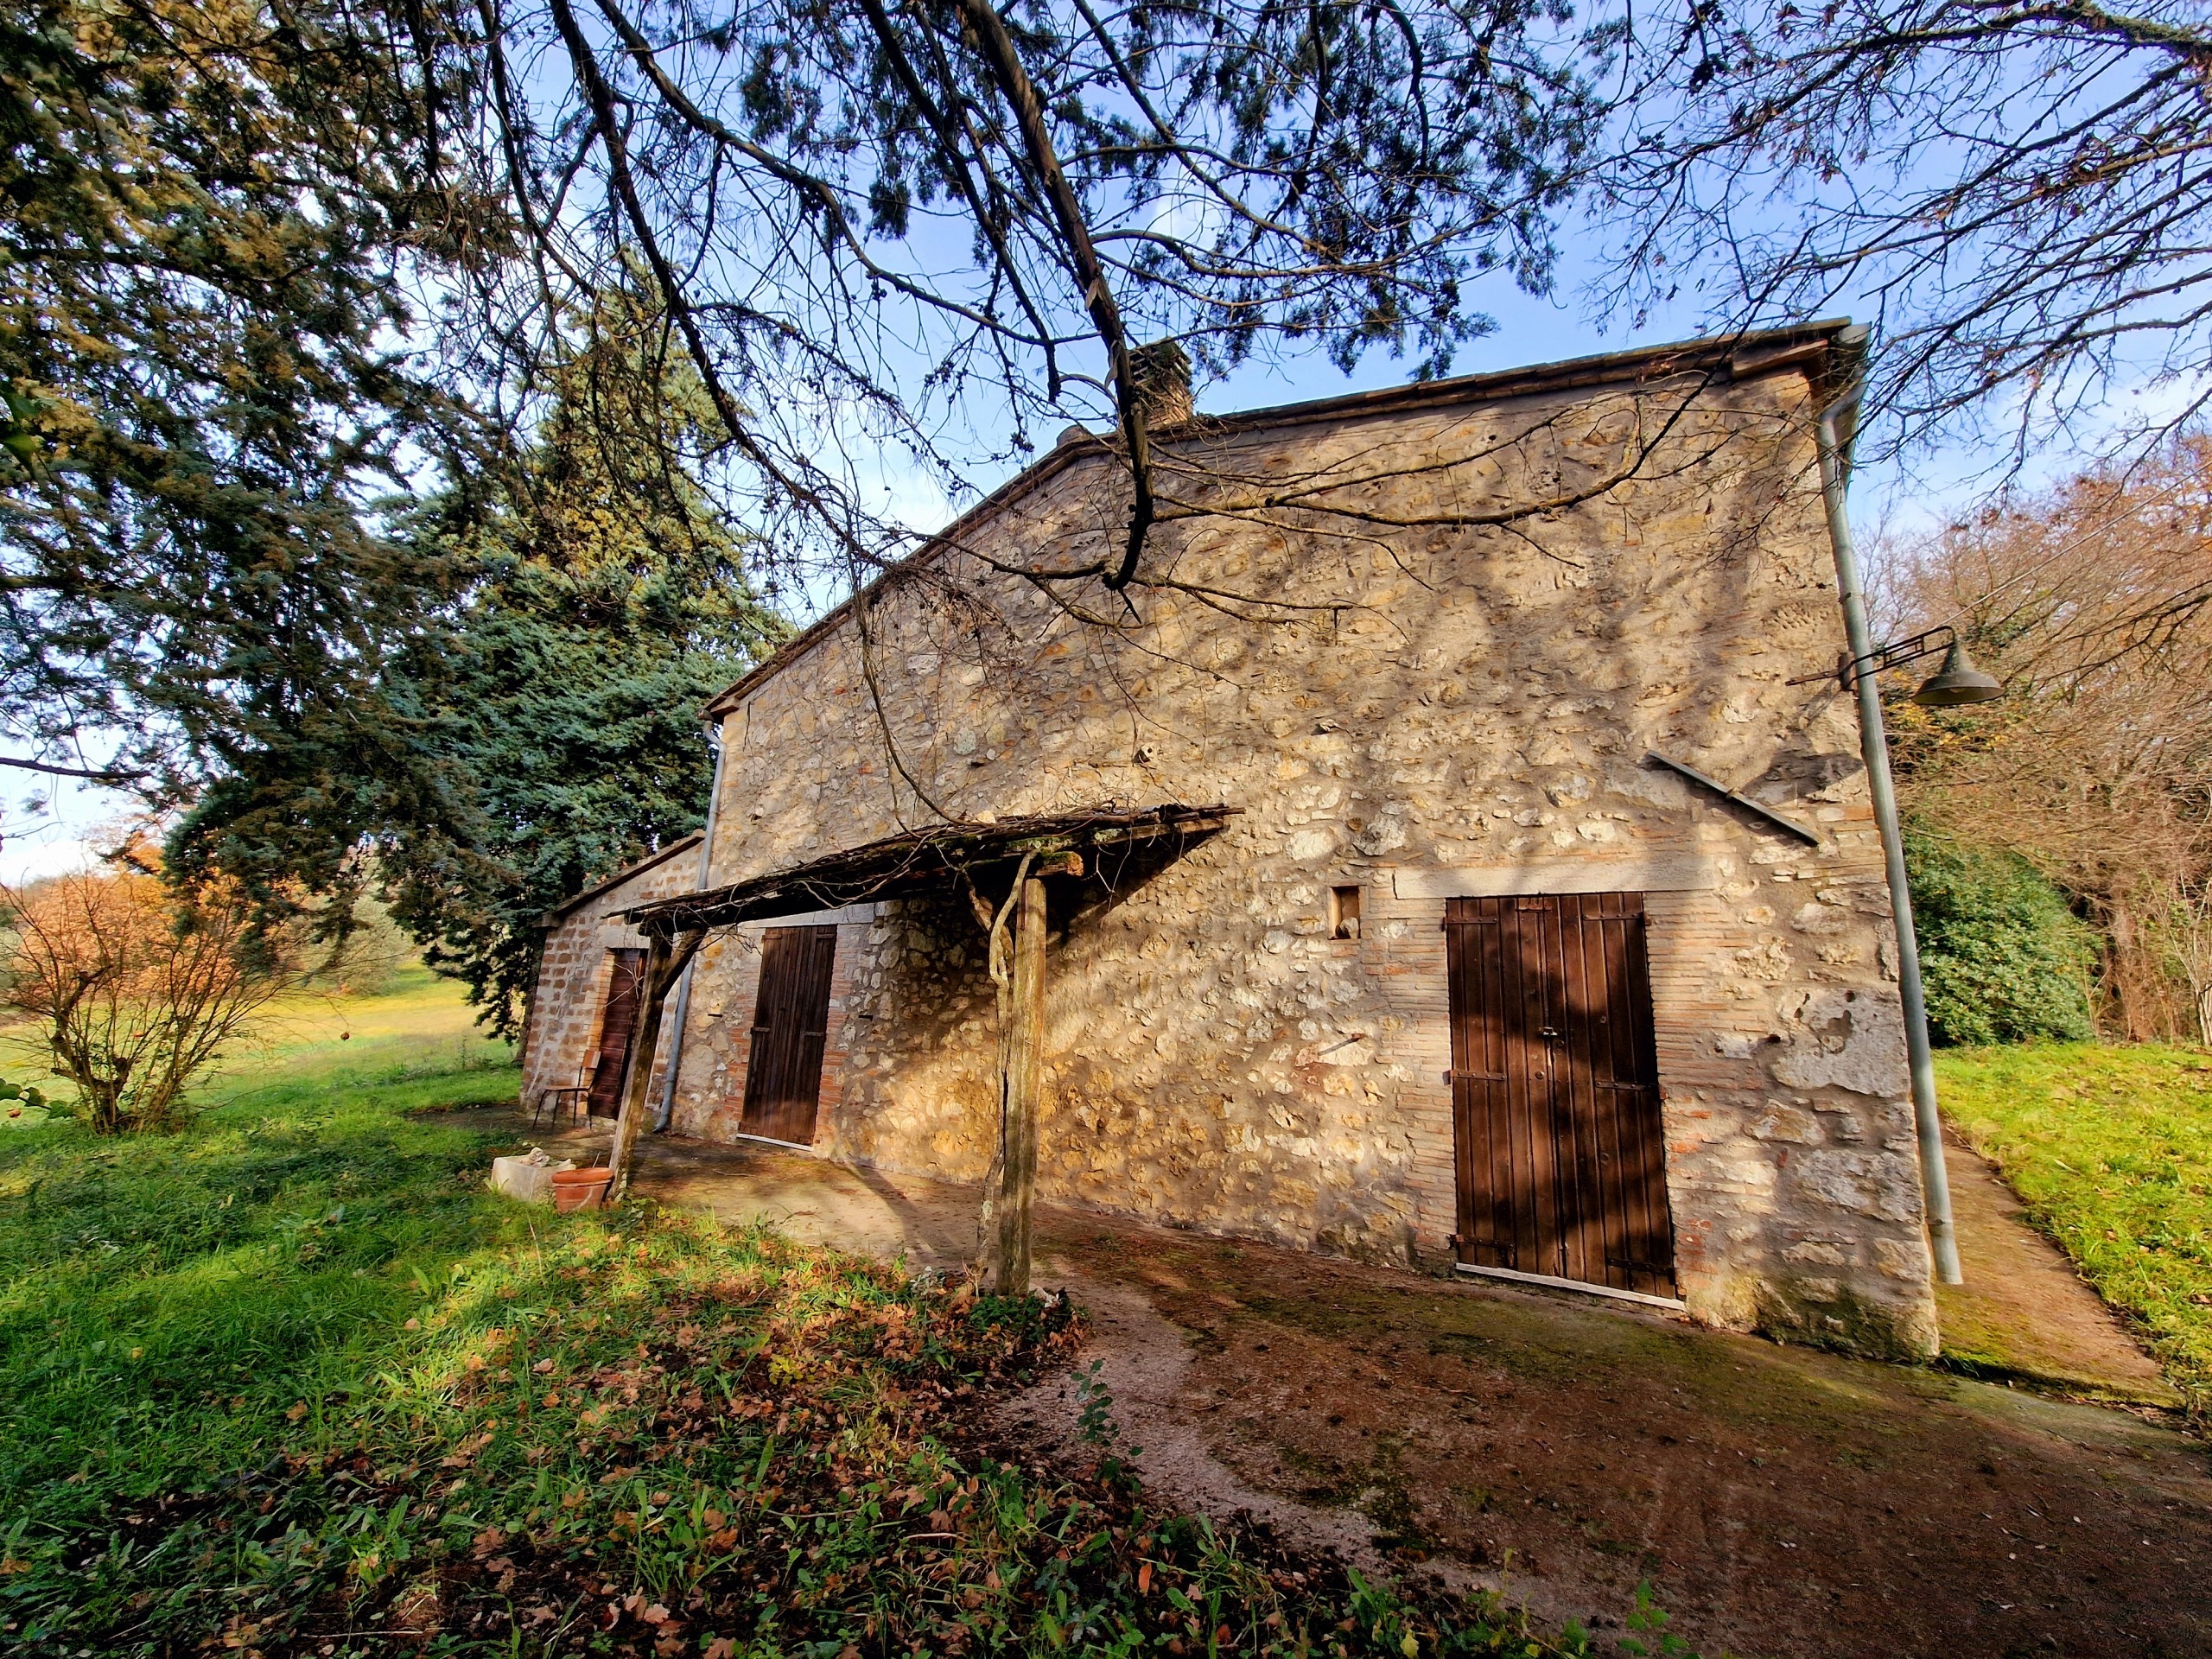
{"points": [[1874, 743], [666, 1111]]}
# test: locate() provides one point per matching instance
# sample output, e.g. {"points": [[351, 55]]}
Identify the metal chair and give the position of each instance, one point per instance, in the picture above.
{"points": [[546, 1110]]}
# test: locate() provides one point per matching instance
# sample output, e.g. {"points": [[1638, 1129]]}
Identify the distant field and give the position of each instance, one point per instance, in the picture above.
{"points": [[419, 1023], [2110, 1148], [228, 1254]]}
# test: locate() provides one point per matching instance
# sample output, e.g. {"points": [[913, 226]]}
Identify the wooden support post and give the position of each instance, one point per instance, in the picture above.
{"points": [[1023, 1086], [664, 960]]}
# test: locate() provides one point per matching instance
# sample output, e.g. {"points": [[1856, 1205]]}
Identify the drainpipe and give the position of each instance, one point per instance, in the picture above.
{"points": [[1935, 1184], [667, 1108]]}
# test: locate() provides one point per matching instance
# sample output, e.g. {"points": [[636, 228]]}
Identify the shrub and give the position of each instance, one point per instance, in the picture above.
{"points": [[136, 988], [2003, 958]]}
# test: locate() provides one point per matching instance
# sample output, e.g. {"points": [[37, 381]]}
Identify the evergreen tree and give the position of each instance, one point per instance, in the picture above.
{"points": [[562, 698], [212, 217]]}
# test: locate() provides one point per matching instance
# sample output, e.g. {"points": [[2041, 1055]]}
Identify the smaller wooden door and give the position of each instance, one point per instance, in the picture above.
{"points": [[618, 1019], [790, 1029], [1555, 1091]]}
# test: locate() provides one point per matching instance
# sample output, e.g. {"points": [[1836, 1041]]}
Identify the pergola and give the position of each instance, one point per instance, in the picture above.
{"points": [[1104, 850]]}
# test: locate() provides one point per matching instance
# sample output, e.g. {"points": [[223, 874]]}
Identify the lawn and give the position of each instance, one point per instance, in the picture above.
{"points": [[293, 1383], [2110, 1148]]}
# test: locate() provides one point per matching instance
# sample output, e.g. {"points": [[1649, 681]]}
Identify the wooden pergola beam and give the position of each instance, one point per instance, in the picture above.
{"points": [[666, 957], [1021, 1086], [942, 858]]}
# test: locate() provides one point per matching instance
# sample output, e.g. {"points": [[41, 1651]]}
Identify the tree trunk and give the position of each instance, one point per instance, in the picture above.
{"points": [[665, 960], [1022, 1085]]}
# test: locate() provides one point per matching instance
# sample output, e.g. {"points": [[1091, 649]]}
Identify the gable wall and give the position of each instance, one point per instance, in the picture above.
{"points": [[1413, 701]]}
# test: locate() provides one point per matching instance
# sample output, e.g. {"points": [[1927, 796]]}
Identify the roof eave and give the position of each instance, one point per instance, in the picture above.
{"points": [[567, 907]]}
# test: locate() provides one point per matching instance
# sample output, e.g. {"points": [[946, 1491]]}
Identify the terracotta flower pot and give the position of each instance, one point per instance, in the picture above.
{"points": [[580, 1189]]}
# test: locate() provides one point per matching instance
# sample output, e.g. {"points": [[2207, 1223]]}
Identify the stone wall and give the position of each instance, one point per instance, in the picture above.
{"points": [[572, 978], [1335, 634]]}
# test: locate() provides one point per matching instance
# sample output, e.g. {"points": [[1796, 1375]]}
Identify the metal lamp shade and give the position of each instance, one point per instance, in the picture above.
{"points": [[1958, 683]]}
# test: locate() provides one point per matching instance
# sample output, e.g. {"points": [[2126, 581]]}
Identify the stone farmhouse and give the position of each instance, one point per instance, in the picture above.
{"points": [[1456, 844]]}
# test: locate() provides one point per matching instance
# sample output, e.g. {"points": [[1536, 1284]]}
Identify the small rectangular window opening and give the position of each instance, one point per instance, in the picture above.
{"points": [[1343, 912]]}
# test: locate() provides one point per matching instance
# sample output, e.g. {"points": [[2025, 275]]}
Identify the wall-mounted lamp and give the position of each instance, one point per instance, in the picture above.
{"points": [[1957, 684]]}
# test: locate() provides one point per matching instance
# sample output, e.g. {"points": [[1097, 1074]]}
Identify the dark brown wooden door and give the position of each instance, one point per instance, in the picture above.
{"points": [[1555, 1091], [790, 1025], [617, 1020]]}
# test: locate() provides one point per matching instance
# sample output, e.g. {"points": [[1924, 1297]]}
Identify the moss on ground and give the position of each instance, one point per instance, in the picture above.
{"points": [[2110, 1149]]}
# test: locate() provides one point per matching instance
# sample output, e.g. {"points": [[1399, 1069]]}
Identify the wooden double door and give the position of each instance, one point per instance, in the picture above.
{"points": [[791, 1034], [1555, 1091], [618, 1020]]}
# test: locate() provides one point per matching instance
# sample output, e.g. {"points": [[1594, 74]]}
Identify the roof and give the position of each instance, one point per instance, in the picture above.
{"points": [[1739, 356], [628, 873], [1107, 845]]}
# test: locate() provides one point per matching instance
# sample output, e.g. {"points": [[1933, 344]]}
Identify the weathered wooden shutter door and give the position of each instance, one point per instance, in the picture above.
{"points": [[617, 1022], [1493, 1117], [1555, 1097], [791, 1025]]}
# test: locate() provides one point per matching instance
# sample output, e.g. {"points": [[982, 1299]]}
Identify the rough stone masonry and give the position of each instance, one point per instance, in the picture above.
{"points": [[1424, 641]]}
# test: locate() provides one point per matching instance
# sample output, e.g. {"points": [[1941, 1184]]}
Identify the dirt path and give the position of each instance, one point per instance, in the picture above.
{"points": [[2024, 1312], [1783, 1501]]}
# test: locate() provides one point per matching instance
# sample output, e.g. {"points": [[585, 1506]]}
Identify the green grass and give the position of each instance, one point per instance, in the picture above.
{"points": [[2110, 1148], [292, 1382], [163, 1293]]}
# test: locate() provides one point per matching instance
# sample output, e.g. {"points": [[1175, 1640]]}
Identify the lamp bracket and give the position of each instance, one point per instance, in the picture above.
{"points": [[1895, 653]]}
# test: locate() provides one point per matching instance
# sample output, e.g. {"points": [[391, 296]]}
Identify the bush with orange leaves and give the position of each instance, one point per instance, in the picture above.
{"points": [[137, 988]]}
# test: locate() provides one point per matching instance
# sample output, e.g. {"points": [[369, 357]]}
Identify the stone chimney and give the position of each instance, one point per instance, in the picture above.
{"points": [[1163, 371]]}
